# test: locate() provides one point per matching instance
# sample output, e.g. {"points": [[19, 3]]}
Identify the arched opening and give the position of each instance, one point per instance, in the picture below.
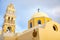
{"points": [[8, 18], [9, 29], [31, 25], [12, 19], [55, 27], [39, 22]]}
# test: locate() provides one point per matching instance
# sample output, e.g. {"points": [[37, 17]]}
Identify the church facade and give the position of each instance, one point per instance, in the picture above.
{"points": [[40, 27]]}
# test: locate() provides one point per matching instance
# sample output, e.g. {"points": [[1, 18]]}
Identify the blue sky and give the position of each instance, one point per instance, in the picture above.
{"points": [[26, 8]]}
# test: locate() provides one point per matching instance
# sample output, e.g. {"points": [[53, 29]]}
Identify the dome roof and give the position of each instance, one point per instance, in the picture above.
{"points": [[39, 14]]}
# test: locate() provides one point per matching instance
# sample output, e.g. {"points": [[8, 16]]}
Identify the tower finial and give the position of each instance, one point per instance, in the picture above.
{"points": [[38, 9]]}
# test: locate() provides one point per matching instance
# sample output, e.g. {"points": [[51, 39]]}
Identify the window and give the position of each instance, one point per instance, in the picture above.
{"points": [[39, 22], [9, 28], [11, 19], [8, 18], [55, 27], [31, 25]]}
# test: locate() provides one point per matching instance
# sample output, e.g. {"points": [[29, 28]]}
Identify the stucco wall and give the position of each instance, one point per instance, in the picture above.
{"points": [[48, 33], [28, 35]]}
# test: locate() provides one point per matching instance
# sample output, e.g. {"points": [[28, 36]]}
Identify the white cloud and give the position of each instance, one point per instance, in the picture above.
{"points": [[56, 11]]}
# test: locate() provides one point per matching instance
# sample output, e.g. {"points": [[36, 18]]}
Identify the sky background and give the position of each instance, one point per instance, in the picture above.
{"points": [[26, 8]]}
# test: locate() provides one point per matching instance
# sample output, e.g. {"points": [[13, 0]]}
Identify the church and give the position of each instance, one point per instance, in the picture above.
{"points": [[40, 27]]}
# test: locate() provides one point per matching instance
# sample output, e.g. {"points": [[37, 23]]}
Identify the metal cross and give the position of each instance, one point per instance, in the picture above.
{"points": [[38, 9]]}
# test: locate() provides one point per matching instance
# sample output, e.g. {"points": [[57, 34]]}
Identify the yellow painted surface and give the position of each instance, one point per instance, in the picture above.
{"points": [[11, 7], [9, 38], [39, 14], [9, 22], [48, 33], [32, 20], [35, 21]]}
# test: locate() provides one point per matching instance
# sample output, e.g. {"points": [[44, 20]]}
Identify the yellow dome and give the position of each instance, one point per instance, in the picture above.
{"points": [[39, 14]]}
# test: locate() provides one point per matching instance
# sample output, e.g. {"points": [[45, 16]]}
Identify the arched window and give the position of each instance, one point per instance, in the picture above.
{"points": [[55, 27], [11, 19], [9, 29], [8, 18], [31, 25], [39, 22]]}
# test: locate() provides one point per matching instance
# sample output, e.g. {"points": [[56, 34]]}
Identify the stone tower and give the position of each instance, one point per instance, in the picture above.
{"points": [[9, 20]]}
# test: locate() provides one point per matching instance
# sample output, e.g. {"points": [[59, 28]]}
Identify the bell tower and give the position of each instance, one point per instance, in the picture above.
{"points": [[9, 20]]}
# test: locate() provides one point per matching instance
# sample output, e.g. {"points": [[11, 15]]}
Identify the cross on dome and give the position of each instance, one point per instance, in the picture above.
{"points": [[38, 9]]}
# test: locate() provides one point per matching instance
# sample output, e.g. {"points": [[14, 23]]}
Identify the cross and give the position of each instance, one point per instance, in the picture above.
{"points": [[38, 9]]}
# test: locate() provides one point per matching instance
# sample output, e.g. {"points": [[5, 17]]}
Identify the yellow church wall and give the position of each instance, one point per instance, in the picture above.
{"points": [[4, 28], [25, 36], [49, 33], [49, 26], [13, 28], [32, 20], [35, 21], [9, 38], [28, 35], [46, 33], [48, 19]]}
